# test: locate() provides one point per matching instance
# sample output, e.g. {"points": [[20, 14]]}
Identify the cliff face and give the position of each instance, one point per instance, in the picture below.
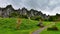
{"points": [[5, 12]]}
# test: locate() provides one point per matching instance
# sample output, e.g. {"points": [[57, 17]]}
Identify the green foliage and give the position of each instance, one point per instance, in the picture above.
{"points": [[36, 18], [24, 16], [52, 32], [45, 19], [51, 19], [14, 14], [11, 23], [8, 25]]}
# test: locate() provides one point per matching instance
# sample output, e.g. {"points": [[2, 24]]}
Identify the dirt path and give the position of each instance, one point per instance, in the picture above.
{"points": [[41, 29]]}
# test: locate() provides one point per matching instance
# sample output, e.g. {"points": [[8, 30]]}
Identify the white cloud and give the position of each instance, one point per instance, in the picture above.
{"points": [[53, 12], [47, 6], [54, 2], [56, 10], [3, 3]]}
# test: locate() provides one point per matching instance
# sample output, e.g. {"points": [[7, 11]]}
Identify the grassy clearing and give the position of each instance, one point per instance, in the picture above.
{"points": [[52, 32]]}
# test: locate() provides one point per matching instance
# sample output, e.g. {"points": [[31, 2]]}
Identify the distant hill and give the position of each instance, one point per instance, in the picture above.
{"points": [[9, 11]]}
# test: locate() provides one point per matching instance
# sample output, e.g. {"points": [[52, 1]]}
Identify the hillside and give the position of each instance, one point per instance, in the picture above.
{"points": [[9, 11], [8, 25]]}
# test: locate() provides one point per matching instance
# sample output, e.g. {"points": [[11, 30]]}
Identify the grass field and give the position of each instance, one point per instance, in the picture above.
{"points": [[52, 32], [8, 25]]}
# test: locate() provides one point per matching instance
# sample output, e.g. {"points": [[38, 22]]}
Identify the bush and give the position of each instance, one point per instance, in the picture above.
{"points": [[51, 19], [53, 28], [14, 14], [24, 16], [36, 18]]}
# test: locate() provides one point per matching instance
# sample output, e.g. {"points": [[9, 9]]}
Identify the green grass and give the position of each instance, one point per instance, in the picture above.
{"points": [[8, 25], [52, 32]]}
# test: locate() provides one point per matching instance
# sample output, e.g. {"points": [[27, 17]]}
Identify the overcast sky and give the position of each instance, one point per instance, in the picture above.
{"points": [[50, 7]]}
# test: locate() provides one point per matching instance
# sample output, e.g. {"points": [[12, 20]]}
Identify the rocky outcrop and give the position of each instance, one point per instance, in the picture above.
{"points": [[5, 12]]}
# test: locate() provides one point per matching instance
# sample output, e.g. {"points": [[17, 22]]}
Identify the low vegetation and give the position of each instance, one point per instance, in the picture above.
{"points": [[8, 26], [52, 31]]}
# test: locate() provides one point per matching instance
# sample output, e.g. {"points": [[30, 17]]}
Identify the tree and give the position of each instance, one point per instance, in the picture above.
{"points": [[14, 14], [51, 18]]}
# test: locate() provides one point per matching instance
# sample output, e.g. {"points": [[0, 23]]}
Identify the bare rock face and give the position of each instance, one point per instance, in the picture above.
{"points": [[0, 12], [24, 11], [5, 12]]}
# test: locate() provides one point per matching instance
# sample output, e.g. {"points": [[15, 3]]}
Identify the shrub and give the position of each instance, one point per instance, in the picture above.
{"points": [[36, 18]]}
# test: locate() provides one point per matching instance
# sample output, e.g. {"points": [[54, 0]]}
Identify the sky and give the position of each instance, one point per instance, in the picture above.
{"points": [[48, 7]]}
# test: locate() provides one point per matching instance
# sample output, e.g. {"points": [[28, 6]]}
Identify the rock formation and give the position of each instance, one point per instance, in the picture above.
{"points": [[7, 11]]}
